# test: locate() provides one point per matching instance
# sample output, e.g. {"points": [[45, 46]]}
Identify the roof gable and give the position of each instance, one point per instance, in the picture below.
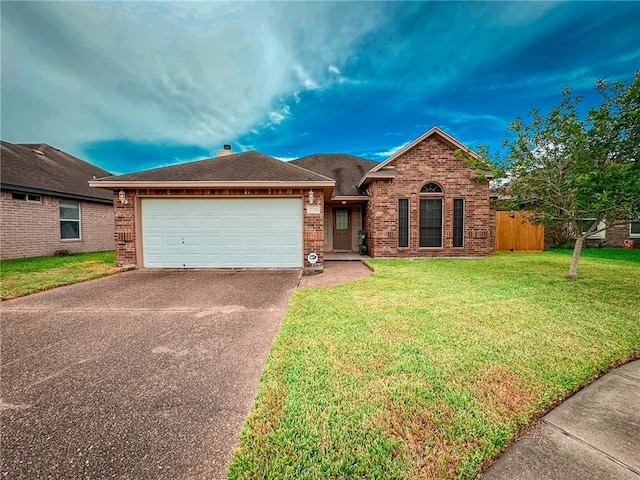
{"points": [[46, 169], [247, 168], [346, 170], [386, 168], [455, 144]]}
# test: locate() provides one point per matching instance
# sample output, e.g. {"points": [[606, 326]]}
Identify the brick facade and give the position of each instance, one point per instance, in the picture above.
{"points": [[614, 237], [31, 229], [431, 160], [127, 234]]}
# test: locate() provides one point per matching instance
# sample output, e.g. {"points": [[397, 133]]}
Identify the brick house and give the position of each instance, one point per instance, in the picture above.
{"points": [[47, 206], [252, 210], [615, 236]]}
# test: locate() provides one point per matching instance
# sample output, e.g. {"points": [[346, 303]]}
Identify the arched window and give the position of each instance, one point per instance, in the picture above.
{"points": [[431, 215], [431, 187]]}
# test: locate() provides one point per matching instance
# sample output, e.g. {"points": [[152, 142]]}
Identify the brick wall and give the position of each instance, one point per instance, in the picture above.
{"points": [[432, 160], [31, 229], [127, 243], [614, 237]]}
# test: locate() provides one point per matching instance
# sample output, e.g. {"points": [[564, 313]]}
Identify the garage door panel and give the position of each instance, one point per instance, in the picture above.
{"points": [[222, 232]]}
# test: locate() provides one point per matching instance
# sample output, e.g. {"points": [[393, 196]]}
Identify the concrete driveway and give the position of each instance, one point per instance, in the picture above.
{"points": [[145, 374]]}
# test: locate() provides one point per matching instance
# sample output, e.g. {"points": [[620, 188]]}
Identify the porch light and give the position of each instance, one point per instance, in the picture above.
{"points": [[344, 202], [122, 197], [311, 196]]}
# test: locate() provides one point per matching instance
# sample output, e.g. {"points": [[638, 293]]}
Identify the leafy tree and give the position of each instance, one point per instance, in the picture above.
{"points": [[567, 168]]}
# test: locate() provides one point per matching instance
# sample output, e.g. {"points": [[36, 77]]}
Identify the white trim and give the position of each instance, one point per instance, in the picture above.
{"points": [[79, 220], [634, 235], [360, 198], [207, 184]]}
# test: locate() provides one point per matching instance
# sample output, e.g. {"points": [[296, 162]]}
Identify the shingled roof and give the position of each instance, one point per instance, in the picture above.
{"points": [[43, 169], [246, 168], [346, 170]]}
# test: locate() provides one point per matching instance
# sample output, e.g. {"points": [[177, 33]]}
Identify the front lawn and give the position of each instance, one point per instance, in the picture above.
{"points": [[28, 275], [430, 368]]}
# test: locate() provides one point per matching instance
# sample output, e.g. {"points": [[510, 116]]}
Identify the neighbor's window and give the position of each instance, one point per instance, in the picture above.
{"points": [[403, 222], [634, 229], [431, 215], [69, 220], [458, 222], [27, 197], [587, 223]]}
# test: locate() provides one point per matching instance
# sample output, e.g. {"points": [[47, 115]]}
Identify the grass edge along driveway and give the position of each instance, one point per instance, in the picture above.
{"points": [[23, 276], [430, 368]]}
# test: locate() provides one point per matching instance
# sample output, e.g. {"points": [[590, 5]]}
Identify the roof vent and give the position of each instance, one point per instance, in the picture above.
{"points": [[37, 152], [226, 150]]}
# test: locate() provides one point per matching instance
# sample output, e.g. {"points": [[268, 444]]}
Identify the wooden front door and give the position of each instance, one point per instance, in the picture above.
{"points": [[341, 229]]}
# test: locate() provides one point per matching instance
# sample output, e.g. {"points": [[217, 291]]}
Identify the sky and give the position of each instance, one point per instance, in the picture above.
{"points": [[135, 85]]}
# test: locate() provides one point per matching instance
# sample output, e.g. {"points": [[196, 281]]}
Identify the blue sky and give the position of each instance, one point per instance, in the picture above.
{"points": [[136, 85]]}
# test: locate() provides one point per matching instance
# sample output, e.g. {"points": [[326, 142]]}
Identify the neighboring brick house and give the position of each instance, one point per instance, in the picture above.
{"points": [[47, 206], [615, 236], [252, 210]]}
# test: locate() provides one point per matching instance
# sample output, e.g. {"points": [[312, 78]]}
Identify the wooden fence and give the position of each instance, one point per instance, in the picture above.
{"points": [[515, 234]]}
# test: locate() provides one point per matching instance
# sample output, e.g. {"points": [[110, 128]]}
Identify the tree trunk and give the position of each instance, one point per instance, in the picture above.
{"points": [[573, 269]]}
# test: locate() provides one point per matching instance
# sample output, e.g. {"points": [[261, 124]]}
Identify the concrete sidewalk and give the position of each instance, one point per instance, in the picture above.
{"points": [[595, 434]]}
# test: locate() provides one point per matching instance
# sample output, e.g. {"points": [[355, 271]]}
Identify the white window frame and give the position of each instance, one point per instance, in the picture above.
{"points": [[595, 236], [631, 234], [78, 220]]}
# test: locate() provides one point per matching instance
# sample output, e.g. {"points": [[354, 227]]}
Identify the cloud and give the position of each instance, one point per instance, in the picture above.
{"points": [[387, 153], [197, 73], [292, 78]]}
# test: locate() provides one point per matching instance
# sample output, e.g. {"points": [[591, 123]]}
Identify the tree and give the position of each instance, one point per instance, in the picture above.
{"points": [[567, 168]]}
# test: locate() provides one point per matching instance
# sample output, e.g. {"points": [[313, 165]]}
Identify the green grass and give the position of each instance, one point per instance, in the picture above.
{"points": [[430, 368], [28, 275]]}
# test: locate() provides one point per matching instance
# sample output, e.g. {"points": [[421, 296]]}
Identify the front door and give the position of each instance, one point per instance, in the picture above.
{"points": [[341, 229]]}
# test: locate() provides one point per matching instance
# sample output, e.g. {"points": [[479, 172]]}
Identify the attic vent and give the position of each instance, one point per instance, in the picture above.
{"points": [[37, 152]]}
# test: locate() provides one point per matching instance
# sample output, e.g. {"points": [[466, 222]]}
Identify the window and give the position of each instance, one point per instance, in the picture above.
{"points": [[342, 219], [69, 220], [326, 227], [431, 215], [634, 229], [458, 222], [431, 222], [431, 187], [587, 224], [25, 197], [403, 222]]}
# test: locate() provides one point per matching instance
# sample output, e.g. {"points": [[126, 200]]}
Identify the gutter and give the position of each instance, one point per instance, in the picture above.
{"points": [[52, 193], [207, 184]]}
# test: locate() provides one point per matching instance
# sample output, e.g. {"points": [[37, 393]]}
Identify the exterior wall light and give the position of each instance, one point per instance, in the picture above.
{"points": [[122, 198], [311, 194]]}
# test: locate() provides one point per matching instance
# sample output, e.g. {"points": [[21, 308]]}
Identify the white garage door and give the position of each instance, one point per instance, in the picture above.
{"points": [[222, 232]]}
